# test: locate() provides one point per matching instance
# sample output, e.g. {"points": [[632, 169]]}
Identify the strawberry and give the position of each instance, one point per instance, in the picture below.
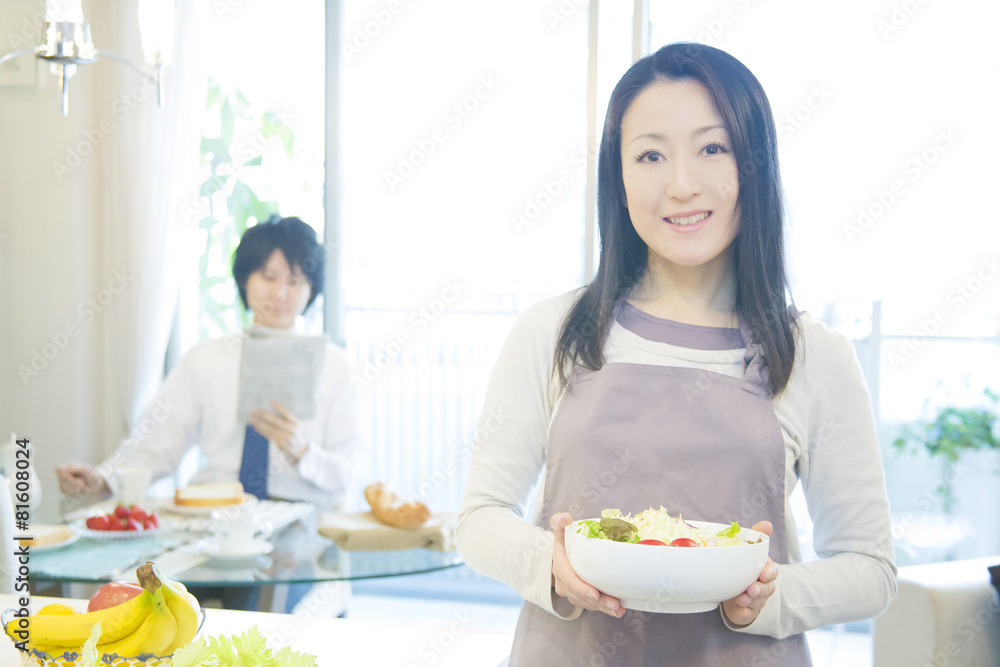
{"points": [[148, 524], [137, 513], [133, 525], [153, 519], [97, 522], [121, 512]]}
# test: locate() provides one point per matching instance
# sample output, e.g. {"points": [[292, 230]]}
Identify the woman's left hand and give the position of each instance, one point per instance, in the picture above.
{"points": [[743, 609], [282, 428]]}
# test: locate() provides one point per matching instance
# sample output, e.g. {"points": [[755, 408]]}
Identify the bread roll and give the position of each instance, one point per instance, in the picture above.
{"points": [[390, 509]]}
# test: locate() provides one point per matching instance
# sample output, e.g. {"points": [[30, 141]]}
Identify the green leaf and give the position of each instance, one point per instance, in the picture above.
{"points": [[286, 657], [243, 203], [227, 122], [214, 95], [252, 649], [218, 147], [222, 649], [195, 654], [88, 654], [733, 530], [618, 530]]}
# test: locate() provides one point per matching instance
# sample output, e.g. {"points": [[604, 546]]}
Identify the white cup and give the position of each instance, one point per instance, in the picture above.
{"points": [[236, 530], [133, 484]]}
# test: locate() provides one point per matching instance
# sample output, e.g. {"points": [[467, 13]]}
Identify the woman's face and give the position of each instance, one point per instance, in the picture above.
{"points": [[680, 175], [277, 293]]}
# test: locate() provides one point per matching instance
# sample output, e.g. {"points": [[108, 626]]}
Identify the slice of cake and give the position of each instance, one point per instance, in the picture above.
{"points": [[209, 495], [44, 535]]}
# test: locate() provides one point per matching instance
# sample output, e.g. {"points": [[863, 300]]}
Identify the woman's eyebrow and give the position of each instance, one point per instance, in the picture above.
{"points": [[660, 137], [703, 130]]}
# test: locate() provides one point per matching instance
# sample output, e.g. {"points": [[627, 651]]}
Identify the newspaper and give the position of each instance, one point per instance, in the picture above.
{"points": [[283, 368]]}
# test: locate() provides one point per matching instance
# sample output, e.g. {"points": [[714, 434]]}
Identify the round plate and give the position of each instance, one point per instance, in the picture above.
{"points": [[254, 549], [119, 535], [58, 545], [206, 510]]}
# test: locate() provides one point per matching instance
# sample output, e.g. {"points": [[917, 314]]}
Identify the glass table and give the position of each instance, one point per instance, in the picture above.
{"points": [[300, 555]]}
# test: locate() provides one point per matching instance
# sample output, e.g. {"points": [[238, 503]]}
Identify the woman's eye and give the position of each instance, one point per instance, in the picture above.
{"points": [[716, 149], [648, 156]]}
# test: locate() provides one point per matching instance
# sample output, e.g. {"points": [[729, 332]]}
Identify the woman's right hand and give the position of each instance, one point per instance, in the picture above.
{"points": [[565, 581], [79, 480]]}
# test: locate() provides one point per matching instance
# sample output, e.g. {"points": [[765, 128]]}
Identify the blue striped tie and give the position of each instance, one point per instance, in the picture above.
{"points": [[253, 469]]}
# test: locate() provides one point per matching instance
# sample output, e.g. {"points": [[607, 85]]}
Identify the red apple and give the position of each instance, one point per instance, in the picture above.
{"points": [[113, 594]]}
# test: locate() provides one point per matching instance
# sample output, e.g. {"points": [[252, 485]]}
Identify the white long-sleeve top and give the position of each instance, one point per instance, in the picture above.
{"points": [[831, 446], [197, 405]]}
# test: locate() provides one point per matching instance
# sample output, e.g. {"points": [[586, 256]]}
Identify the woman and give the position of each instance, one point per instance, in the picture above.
{"points": [[278, 267], [684, 370]]}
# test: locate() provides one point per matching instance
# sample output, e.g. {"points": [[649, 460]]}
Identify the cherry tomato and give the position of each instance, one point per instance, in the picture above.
{"points": [[683, 542], [656, 542]]}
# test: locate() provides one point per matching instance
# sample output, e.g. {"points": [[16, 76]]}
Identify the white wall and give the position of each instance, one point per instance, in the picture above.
{"points": [[58, 249]]}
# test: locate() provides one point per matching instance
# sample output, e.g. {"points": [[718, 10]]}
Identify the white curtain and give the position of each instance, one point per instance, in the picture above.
{"points": [[149, 192]]}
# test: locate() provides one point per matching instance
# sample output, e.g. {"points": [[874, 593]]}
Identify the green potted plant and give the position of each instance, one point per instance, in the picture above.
{"points": [[952, 431]]}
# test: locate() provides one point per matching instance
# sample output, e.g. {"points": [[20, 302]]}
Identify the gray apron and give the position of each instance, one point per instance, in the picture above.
{"points": [[702, 444]]}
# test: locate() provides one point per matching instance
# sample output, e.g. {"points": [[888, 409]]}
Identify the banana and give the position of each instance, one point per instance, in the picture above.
{"points": [[184, 607], [155, 634], [72, 630], [55, 609]]}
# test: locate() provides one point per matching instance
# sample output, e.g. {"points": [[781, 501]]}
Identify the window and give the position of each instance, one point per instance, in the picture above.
{"points": [[262, 145], [463, 173], [886, 149]]}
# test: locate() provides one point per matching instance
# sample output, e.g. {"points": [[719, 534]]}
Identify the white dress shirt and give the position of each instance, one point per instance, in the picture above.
{"points": [[197, 406]]}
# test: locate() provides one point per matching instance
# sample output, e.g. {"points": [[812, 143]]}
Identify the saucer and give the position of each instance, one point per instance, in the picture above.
{"points": [[252, 550]]}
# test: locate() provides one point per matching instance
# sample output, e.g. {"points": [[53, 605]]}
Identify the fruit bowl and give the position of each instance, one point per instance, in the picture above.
{"points": [[664, 579], [71, 657], [134, 628]]}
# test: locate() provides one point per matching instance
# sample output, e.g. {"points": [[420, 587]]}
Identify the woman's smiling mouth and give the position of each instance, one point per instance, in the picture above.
{"points": [[688, 218]]}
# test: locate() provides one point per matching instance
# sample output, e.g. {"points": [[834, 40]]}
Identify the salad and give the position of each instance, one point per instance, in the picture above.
{"points": [[657, 527]]}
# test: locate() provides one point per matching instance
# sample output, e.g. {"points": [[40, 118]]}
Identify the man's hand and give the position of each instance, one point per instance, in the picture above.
{"points": [[79, 480], [565, 581], [743, 609], [282, 428]]}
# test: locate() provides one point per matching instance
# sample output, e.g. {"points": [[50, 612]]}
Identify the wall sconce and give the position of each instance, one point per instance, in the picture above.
{"points": [[66, 42]]}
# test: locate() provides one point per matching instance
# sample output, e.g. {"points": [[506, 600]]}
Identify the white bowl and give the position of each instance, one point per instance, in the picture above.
{"points": [[677, 580]]}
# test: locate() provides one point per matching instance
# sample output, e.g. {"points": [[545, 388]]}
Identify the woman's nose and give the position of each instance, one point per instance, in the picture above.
{"points": [[682, 180]]}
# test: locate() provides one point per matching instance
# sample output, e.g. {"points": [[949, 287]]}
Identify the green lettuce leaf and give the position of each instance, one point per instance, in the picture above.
{"points": [[252, 649], [195, 654], [619, 530], [89, 656], [733, 530], [286, 657]]}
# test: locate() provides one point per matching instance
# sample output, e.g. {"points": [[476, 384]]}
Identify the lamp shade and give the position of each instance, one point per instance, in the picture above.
{"points": [[156, 26]]}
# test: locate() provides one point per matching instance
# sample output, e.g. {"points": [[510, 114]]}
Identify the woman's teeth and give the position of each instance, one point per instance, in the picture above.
{"points": [[690, 220]]}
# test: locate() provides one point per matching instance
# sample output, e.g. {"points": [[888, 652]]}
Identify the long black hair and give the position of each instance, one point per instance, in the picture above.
{"points": [[763, 299]]}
